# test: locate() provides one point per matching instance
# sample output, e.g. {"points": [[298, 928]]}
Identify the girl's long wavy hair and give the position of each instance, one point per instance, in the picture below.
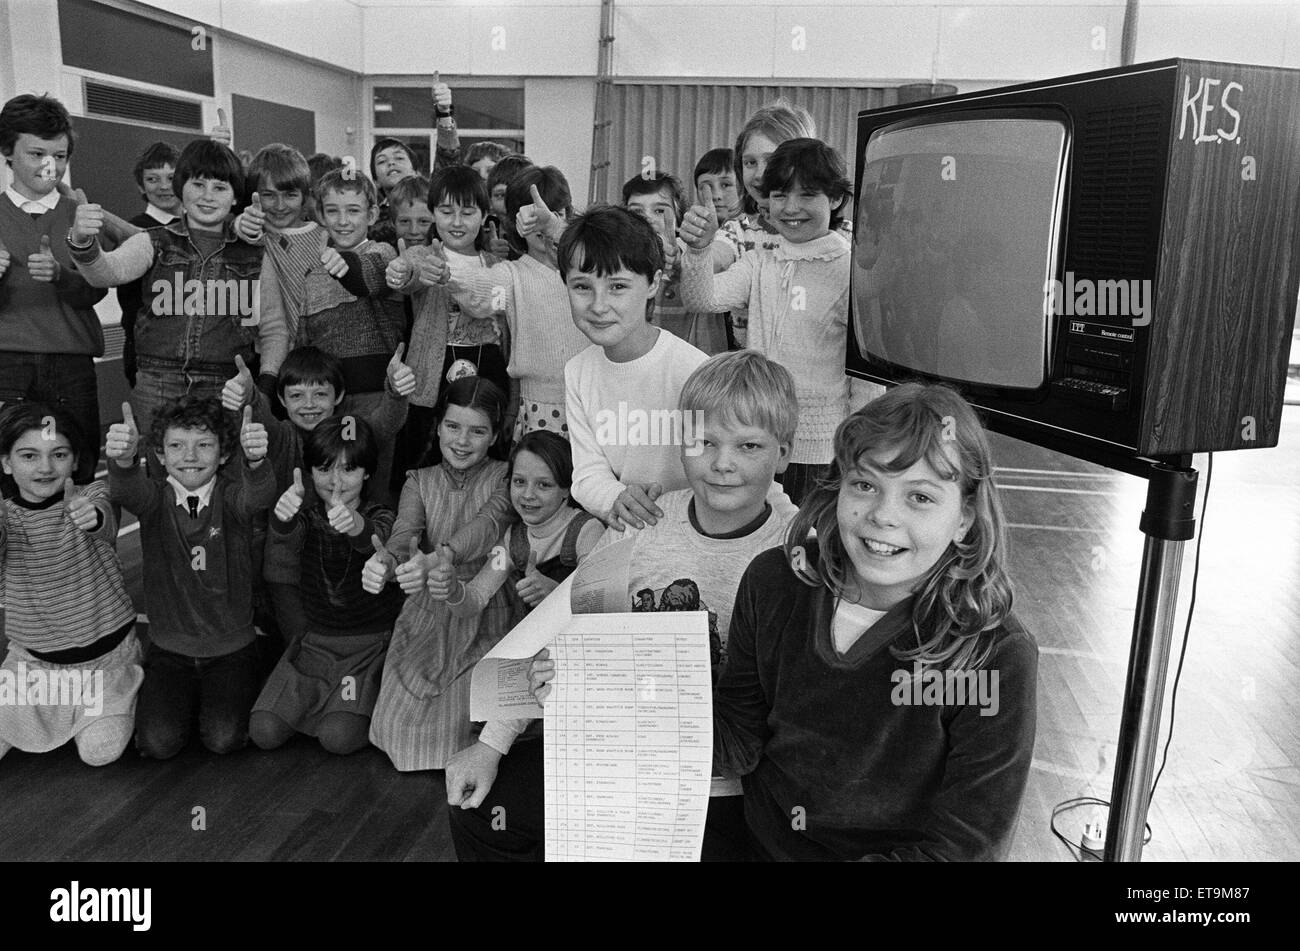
{"points": [[968, 591]]}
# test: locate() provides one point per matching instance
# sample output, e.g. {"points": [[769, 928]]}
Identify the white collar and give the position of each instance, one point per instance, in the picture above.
{"points": [[158, 215], [204, 492], [42, 204]]}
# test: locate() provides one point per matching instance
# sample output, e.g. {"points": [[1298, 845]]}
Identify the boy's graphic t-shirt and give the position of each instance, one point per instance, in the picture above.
{"points": [[674, 567]]}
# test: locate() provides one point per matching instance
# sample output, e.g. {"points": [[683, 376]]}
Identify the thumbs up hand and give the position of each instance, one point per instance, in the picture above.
{"points": [[4, 259], [701, 222], [411, 573], [442, 574], [42, 264], [666, 227], [289, 504], [221, 131], [252, 220], [123, 440], [87, 223], [432, 265], [334, 263], [80, 509], [496, 244], [378, 567], [398, 272], [441, 94], [401, 378], [534, 586], [253, 439], [343, 518], [238, 390], [536, 218]]}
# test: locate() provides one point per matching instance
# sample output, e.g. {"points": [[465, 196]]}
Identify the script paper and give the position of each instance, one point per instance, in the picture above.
{"points": [[628, 741]]}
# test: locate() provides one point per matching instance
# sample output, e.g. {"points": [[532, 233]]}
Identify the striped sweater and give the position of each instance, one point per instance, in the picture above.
{"points": [[62, 587]]}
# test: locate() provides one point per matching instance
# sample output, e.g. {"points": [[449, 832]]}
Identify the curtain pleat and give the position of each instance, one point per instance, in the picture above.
{"points": [[673, 125]]}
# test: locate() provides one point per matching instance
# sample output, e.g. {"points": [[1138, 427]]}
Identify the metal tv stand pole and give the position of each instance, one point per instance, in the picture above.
{"points": [[1168, 523]]}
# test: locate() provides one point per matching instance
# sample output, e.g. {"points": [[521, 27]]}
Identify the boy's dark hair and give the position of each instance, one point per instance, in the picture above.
{"points": [[283, 167], [341, 437], [306, 365], [41, 116], [158, 155], [206, 159], [388, 143], [653, 185], [320, 163], [610, 238], [481, 150], [507, 169], [554, 450], [551, 185], [195, 412], [412, 188], [480, 393], [715, 162], [24, 417], [346, 181], [813, 164]]}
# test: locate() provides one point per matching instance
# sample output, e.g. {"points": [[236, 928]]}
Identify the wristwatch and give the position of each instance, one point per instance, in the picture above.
{"points": [[79, 247]]}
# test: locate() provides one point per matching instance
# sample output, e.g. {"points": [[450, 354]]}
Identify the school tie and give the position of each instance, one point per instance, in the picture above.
{"points": [[193, 501]]}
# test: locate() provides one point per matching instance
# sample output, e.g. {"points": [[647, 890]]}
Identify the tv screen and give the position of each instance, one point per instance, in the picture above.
{"points": [[955, 243]]}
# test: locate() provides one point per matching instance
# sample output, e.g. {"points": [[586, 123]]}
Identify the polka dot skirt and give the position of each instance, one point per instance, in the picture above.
{"points": [[534, 415]]}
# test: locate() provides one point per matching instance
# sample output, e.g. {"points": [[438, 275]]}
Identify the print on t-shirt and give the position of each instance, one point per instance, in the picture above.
{"points": [[683, 595]]}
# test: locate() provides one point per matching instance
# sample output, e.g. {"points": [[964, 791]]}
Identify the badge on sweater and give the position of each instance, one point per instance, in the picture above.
{"points": [[461, 368]]}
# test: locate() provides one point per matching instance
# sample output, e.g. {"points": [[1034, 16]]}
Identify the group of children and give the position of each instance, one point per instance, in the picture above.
{"points": [[471, 348]]}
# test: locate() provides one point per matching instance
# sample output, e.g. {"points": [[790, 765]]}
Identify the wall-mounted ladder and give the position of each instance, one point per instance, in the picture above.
{"points": [[596, 188]]}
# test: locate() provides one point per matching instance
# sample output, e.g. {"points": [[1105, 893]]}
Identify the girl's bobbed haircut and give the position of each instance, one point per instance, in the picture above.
{"points": [[463, 185], [480, 393], [607, 238], [779, 120], [812, 164], [22, 418], [554, 450], [968, 592], [341, 438]]}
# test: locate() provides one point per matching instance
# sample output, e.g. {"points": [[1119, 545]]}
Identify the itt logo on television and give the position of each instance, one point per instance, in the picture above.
{"points": [[1199, 104]]}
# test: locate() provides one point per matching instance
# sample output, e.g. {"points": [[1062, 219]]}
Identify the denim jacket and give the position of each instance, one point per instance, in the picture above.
{"points": [[197, 313], [199, 339]]}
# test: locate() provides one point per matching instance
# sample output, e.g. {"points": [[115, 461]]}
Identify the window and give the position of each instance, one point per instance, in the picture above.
{"points": [[483, 113]]}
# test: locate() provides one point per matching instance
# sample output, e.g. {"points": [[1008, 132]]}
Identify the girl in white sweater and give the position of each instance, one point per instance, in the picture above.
{"points": [[797, 294]]}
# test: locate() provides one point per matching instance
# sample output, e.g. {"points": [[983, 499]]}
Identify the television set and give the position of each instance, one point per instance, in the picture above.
{"points": [[1105, 264]]}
